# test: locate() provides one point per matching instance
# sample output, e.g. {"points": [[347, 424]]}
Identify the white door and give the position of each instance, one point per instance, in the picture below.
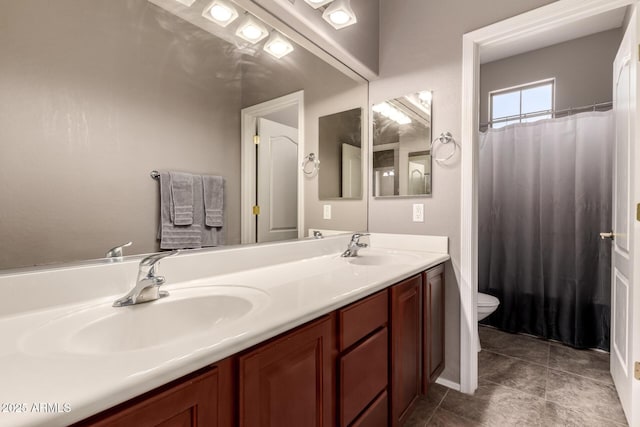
{"points": [[625, 295], [351, 171], [277, 185]]}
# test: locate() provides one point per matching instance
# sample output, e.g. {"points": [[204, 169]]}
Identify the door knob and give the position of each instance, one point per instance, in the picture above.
{"points": [[609, 235]]}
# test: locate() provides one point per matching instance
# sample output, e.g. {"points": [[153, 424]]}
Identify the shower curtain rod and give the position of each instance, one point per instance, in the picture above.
{"points": [[566, 111]]}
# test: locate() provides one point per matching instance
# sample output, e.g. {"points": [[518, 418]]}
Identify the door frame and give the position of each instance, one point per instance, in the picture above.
{"points": [[248, 120], [509, 31]]}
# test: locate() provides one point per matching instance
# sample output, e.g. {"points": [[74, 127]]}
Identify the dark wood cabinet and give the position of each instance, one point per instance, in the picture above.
{"points": [[406, 347], [364, 360], [433, 318], [204, 398], [290, 381]]}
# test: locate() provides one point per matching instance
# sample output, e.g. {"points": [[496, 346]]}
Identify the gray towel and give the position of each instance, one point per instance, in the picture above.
{"points": [[176, 236], [182, 196], [211, 236], [213, 200]]}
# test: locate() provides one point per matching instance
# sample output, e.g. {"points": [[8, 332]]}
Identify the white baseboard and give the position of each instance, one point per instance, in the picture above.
{"points": [[448, 383]]}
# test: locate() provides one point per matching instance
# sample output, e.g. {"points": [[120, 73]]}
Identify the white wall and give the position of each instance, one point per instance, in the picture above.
{"points": [[421, 48]]}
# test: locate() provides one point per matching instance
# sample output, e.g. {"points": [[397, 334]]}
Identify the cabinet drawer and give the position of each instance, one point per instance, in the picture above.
{"points": [[363, 375], [377, 415], [361, 318]]}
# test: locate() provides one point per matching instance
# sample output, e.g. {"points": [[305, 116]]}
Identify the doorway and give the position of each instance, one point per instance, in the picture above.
{"points": [[272, 191], [537, 24]]}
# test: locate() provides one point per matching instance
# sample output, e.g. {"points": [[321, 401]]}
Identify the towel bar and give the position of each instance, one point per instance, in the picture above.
{"points": [[155, 174]]}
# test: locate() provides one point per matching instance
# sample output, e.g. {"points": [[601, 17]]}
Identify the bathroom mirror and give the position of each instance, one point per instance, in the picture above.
{"points": [[340, 151], [102, 92], [401, 146]]}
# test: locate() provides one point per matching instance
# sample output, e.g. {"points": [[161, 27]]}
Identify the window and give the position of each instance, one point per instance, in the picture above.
{"points": [[521, 104]]}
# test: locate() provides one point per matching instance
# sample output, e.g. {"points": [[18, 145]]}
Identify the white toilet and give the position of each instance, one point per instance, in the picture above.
{"points": [[487, 304]]}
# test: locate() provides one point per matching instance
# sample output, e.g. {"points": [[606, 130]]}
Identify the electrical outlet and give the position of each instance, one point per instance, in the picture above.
{"points": [[326, 212], [418, 212]]}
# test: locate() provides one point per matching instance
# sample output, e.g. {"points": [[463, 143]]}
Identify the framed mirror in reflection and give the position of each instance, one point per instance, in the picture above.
{"points": [[340, 151], [401, 146], [102, 92]]}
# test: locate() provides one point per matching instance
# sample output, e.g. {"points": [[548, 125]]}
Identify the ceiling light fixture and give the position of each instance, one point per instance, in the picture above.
{"points": [[339, 14], [251, 29], [392, 113], [221, 12], [425, 96], [278, 45], [317, 3], [187, 3]]}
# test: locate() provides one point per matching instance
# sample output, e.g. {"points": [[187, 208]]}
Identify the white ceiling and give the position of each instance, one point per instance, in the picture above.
{"points": [[551, 36]]}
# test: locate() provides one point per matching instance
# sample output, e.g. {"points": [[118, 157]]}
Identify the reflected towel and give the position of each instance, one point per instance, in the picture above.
{"points": [[182, 196], [173, 236], [213, 200]]}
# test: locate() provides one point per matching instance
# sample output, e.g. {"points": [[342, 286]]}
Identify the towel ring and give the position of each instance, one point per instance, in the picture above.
{"points": [[444, 138], [310, 159]]}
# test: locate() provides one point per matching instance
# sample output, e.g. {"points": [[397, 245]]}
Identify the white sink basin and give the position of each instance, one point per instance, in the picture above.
{"points": [[104, 329]]}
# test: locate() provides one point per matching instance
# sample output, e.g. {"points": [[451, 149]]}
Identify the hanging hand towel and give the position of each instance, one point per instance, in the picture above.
{"points": [[182, 196], [213, 200], [175, 236]]}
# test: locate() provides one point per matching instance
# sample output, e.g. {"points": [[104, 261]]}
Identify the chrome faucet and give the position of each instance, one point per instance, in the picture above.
{"points": [[147, 286], [115, 254], [355, 245]]}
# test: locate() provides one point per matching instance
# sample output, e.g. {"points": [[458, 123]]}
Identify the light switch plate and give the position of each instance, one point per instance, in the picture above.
{"points": [[326, 211], [418, 212]]}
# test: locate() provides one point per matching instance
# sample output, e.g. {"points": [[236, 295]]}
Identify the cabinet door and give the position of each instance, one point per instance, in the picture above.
{"points": [[433, 313], [201, 399], [406, 343], [290, 381]]}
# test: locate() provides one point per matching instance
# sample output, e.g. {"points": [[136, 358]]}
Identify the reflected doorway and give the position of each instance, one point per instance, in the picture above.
{"points": [[272, 136]]}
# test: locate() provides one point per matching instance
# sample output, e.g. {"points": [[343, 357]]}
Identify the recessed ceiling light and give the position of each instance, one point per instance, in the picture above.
{"points": [[317, 3], [221, 12], [277, 45], [339, 14], [251, 29], [187, 3]]}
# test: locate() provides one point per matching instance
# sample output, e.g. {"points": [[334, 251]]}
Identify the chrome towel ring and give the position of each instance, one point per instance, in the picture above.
{"points": [[310, 159], [444, 138]]}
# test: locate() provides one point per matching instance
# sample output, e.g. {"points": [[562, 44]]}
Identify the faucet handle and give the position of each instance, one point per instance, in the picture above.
{"points": [[116, 252], [153, 259], [357, 236]]}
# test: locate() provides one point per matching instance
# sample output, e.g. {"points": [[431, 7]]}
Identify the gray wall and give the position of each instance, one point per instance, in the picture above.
{"points": [[582, 68], [421, 48]]}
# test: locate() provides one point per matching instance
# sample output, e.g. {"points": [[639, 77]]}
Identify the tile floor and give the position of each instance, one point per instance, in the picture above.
{"points": [[526, 381]]}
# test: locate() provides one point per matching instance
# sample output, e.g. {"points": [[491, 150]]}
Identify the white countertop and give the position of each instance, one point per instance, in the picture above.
{"points": [[36, 370]]}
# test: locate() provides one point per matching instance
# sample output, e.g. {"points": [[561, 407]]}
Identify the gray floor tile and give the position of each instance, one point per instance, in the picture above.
{"points": [[426, 405], [592, 398], [587, 363], [559, 416], [527, 348], [496, 405], [515, 373], [444, 418]]}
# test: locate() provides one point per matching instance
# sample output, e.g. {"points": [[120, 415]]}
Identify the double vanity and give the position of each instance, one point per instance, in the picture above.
{"points": [[274, 334]]}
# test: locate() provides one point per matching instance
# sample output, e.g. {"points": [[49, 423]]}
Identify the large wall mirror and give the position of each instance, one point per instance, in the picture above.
{"points": [[102, 92], [340, 152], [402, 146]]}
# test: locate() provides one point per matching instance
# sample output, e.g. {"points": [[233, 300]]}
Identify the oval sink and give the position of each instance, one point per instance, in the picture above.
{"points": [[185, 312]]}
